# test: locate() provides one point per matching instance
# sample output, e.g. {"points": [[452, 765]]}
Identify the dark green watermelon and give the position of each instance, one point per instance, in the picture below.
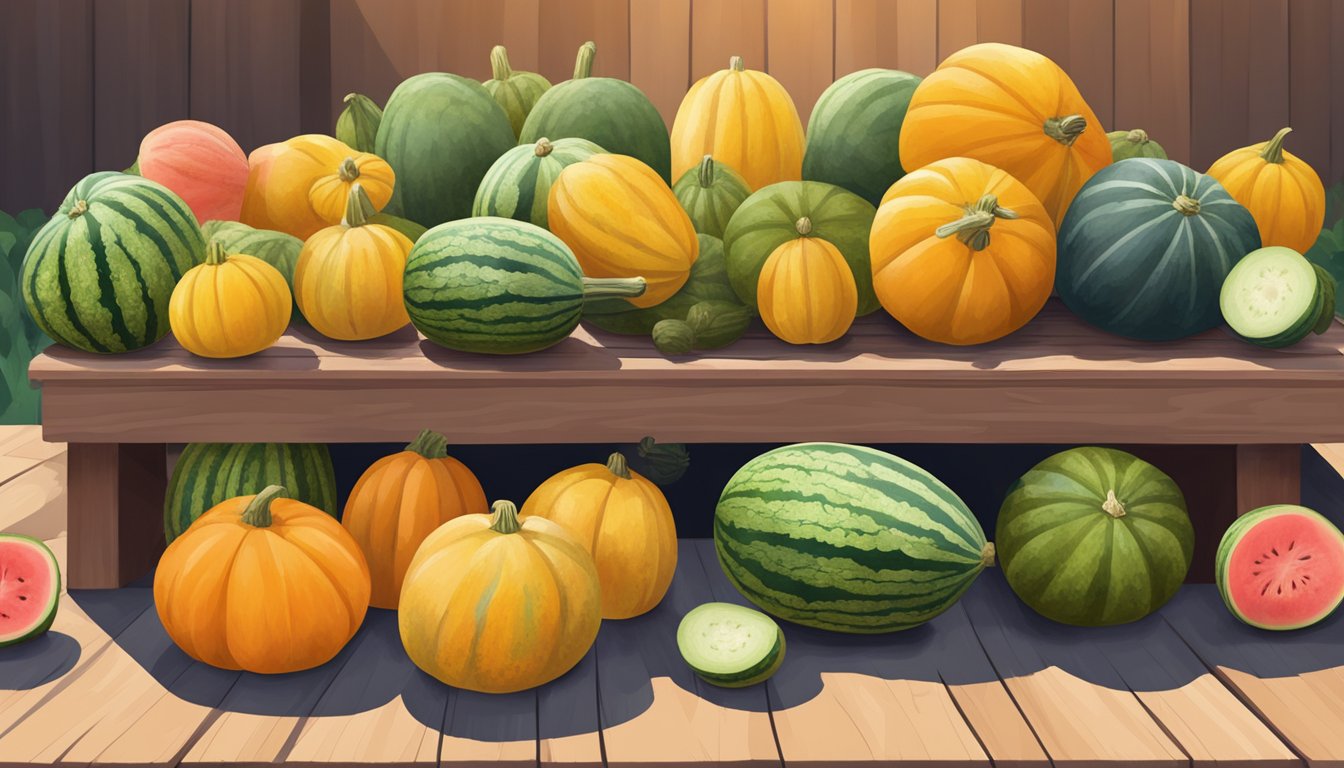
{"points": [[853, 136]]}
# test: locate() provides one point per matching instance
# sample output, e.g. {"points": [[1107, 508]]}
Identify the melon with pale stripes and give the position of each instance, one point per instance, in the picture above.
{"points": [[854, 133], [99, 275], [846, 538], [209, 473], [518, 184]]}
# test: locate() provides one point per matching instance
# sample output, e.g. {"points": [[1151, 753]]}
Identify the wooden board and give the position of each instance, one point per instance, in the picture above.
{"points": [[570, 24], [1079, 35], [660, 52], [34, 503], [721, 29], [800, 39], [1152, 72], [1310, 97], [892, 34]]}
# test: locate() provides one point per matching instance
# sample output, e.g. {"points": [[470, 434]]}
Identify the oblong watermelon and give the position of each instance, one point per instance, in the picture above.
{"points": [[1094, 536], [846, 538], [209, 473], [518, 184], [440, 133], [1281, 567], [30, 588], [708, 281], [854, 133], [99, 275]]}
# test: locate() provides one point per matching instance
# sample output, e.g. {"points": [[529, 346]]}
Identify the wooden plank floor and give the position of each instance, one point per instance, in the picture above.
{"points": [[988, 683]]}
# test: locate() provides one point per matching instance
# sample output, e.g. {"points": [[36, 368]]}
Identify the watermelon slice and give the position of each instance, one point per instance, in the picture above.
{"points": [[1281, 567], [30, 587]]}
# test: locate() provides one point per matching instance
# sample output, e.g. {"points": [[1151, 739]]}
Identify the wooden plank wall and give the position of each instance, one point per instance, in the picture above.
{"points": [[82, 81]]}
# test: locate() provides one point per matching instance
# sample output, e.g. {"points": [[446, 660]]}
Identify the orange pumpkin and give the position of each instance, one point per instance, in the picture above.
{"points": [[1282, 192], [399, 501], [201, 163], [264, 584], [744, 118], [624, 522], [621, 220], [962, 253], [806, 292], [1014, 109], [258, 178], [284, 188]]}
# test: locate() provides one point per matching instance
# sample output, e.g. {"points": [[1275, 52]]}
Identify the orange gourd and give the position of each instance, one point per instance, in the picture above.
{"points": [[1282, 192], [962, 253], [806, 292], [399, 501], [258, 178], [264, 584], [745, 119], [624, 522], [201, 163], [303, 182], [621, 220], [1014, 109], [230, 306]]}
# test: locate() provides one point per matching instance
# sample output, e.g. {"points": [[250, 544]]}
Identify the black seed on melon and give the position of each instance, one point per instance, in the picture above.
{"points": [[30, 588], [1281, 567]]}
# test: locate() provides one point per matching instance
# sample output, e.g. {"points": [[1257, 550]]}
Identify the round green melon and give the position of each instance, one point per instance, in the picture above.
{"points": [[769, 218], [99, 275], [611, 113], [518, 185], [710, 193], [846, 538], [854, 132], [1130, 144], [1094, 536], [708, 281], [440, 133], [209, 473], [516, 92], [1281, 567], [1145, 247], [498, 286]]}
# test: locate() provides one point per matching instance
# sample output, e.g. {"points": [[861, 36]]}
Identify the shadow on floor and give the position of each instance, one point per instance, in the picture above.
{"points": [[38, 661]]}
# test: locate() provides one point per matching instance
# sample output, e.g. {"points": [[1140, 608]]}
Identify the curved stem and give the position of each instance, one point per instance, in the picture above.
{"points": [[79, 208], [258, 512], [987, 555], [1113, 506], [1187, 205], [358, 207], [973, 228], [348, 171], [543, 147], [583, 64], [214, 253], [707, 171], [499, 63], [1273, 151], [429, 444], [505, 517], [1067, 129], [803, 226], [617, 465], [736, 64], [613, 287], [1137, 136]]}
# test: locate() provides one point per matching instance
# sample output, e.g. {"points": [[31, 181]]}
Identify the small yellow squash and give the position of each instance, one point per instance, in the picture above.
{"points": [[806, 292], [281, 192], [497, 605], [328, 195], [230, 306], [1282, 192], [626, 524]]}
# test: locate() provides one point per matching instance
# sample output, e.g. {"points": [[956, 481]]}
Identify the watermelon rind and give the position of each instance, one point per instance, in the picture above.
{"points": [[519, 183], [48, 615], [1233, 537]]}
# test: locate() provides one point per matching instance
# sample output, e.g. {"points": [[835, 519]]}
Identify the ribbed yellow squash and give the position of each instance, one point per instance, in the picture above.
{"points": [[744, 118], [330, 192], [230, 306], [496, 605], [625, 523], [280, 187], [806, 292], [1282, 192], [621, 220]]}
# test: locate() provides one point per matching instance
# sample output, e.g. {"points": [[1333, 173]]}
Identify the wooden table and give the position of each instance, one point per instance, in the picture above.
{"points": [[1056, 381]]}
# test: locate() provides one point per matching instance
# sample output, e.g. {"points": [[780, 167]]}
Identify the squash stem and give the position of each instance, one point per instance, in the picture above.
{"points": [[258, 512], [1113, 506], [973, 228], [707, 171], [81, 207], [735, 63], [358, 207], [429, 444], [349, 171], [1273, 151], [1188, 206], [803, 226], [543, 147], [1066, 130], [499, 63], [504, 517], [583, 64], [617, 465], [987, 555], [214, 253], [1137, 136], [613, 287]]}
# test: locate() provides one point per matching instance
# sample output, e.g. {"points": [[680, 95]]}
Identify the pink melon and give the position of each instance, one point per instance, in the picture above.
{"points": [[201, 163], [30, 588], [1281, 567]]}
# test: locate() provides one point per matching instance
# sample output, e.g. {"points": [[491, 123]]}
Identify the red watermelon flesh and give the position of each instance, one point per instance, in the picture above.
{"points": [[30, 586], [1282, 567]]}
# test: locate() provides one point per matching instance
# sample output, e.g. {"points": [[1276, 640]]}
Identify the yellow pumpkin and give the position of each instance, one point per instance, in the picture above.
{"points": [[806, 292], [328, 195], [1281, 191], [624, 522], [348, 279], [283, 187], [399, 501], [254, 212], [744, 118], [621, 220], [962, 253], [1014, 109], [497, 605], [264, 584], [230, 306]]}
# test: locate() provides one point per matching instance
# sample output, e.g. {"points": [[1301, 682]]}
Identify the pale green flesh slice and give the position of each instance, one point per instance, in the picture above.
{"points": [[1268, 292], [723, 639]]}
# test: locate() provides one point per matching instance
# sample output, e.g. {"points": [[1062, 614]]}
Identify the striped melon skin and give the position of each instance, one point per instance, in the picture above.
{"points": [[209, 473], [99, 275], [853, 135], [846, 538], [493, 285], [1078, 557], [518, 184]]}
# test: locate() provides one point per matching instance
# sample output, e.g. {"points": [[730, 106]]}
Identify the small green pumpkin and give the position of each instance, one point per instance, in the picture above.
{"points": [[717, 324], [710, 193], [1135, 143], [673, 337], [517, 92], [357, 126]]}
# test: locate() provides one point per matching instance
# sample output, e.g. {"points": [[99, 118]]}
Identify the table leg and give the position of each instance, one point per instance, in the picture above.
{"points": [[1268, 474], [115, 512]]}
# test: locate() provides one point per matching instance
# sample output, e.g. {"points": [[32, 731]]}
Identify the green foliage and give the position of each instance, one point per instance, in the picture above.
{"points": [[1329, 248], [20, 338]]}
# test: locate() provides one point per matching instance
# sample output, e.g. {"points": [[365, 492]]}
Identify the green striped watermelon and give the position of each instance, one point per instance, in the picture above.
{"points": [[708, 281], [99, 275], [846, 538], [1094, 536], [499, 286], [854, 133], [710, 193], [518, 184], [209, 473], [440, 133]]}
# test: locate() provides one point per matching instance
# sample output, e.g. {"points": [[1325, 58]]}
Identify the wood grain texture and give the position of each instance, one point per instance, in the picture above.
{"points": [[957, 26], [115, 512], [1268, 474], [34, 503], [1079, 36], [891, 34], [1335, 174], [721, 29], [1310, 94], [660, 52], [800, 38], [1152, 73], [570, 24]]}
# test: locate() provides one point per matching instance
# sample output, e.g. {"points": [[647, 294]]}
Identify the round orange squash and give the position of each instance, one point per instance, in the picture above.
{"points": [[264, 584], [201, 163], [283, 187], [744, 118], [230, 306], [621, 220], [624, 522], [962, 253], [400, 500], [259, 163], [806, 292], [1282, 192], [496, 605], [1014, 109]]}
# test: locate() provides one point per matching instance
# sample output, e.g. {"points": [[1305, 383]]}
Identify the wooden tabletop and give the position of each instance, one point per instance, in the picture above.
{"points": [[1057, 380]]}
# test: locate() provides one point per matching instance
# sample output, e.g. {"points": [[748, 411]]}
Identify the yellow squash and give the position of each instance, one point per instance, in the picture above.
{"points": [[624, 522], [329, 193], [280, 193], [806, 292], [1282, 192], [495, 604], [230, 306]]}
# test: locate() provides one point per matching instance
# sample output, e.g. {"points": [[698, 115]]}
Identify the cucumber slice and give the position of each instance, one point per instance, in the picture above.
{"points": [[1274, 297], [730, 645]]}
